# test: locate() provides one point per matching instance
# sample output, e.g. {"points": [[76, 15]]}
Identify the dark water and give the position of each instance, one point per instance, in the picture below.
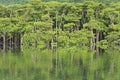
{"points": [[61, 64]]}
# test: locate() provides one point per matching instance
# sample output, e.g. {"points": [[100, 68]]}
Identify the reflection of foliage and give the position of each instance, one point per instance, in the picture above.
{"points": [[73, 61]]}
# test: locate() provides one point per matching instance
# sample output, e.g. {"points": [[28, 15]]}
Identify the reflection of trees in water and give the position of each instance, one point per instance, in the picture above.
{"points": [[72, 63]]}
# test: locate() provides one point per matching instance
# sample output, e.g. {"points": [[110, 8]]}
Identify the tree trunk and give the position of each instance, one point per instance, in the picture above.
{"points": [[92, 45], [56, 47], [97, 40], [15, 42], [92, 41], [4, 42]]}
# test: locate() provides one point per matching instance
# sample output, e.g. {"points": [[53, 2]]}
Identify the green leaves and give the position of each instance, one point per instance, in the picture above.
{"points": [[71, 18], [115, 27], [43, 25], [94, 24], [80, 23], [68, 26], [103, 44]]}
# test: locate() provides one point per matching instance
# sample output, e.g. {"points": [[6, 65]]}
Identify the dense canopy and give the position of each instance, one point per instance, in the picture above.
{"points": [[48, 24]]}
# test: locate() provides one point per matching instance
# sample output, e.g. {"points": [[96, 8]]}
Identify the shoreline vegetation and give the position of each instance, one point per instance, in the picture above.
{"points": [[53, 24]]}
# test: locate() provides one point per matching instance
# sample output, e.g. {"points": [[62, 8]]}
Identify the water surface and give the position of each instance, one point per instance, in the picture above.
{"points": [[60, 64]]}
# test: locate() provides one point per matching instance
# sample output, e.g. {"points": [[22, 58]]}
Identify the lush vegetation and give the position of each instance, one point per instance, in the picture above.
{"points": [[60, 41], [53, 24]]}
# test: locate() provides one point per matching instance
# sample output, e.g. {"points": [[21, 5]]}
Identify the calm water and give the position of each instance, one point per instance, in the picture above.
{"points": [[61, 64]]}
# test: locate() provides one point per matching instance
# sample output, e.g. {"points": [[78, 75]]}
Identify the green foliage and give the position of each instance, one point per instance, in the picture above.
{"points": [[58, 41], [66, 23], [103, 44]]}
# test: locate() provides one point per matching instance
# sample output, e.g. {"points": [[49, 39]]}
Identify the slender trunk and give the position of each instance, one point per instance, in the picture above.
{"points": [[4, 42], [97, 40], [91, 44], [101, 36], [52, 40], [15, 41], [56, 26], [97, 36], [52, 44], [56, 46], [7, 42], [10, 43], [21, 35], [92, 41], [84, 15], [19, 43]]}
